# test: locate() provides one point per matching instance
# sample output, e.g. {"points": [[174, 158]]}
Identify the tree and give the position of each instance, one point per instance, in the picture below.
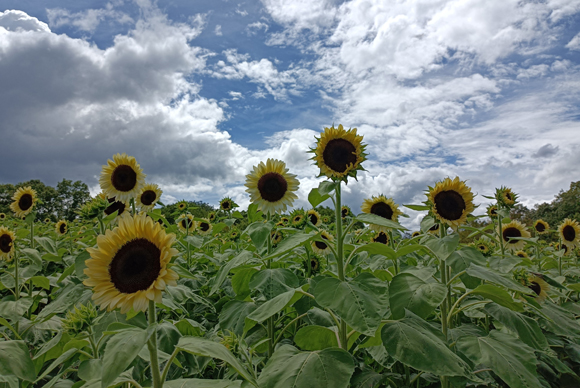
{"points": [[71, 196], [565, 205]]}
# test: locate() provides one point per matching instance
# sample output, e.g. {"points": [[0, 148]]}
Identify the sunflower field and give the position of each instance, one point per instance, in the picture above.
{"points": [[279, 298]]}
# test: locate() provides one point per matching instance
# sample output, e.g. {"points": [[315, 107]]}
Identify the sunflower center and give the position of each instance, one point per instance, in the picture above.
{"points": [[508, 196], [521, 254], [5, 243], [2, 216], [114, 206], [320, 245], [148, 197], [382, 238], [25, 202], [382, 209], [272, 186], [536, 288], [204, 226], [135, 266], [450, 205], [225, 205], [124, 178], [540, 227], [186, 223], [434, 227], [569, 233], [482, 247], [344, 212], [62, 228], [511, 232], [339, 154], [313, 264], [313, 218], [493, 211]]}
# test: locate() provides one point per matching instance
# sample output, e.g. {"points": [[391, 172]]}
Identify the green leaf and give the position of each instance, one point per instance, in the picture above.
{"points": [[15, 360], [418, 208], [190, 327], [62, 358], [315, 338], [233, 315], [71, 295], [14, 310], [48, 244], [240, 259], [315, 198], [271, 307], [461, 260], [121, 350], [202, 383], [414, 342], [290, 243], [378, 220], [376, 248], [241, 281], [561, 322], [254, 214], [497, 278], [259, 233], [367, 378], [525, 327], [443, 247], [499, 296], [90, 370], [195, 241], [408, 249], [80, 264], [291, 368], [326, 187], [507, 356], [273, 282], [427, 223], [207, 348], [361, 302], [407, 291], [41, 281]]}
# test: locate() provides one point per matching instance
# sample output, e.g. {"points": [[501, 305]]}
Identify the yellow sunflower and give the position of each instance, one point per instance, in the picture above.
{"points": [[345, 211], [271, 186], [314, 217], [339, 153], [6, 243], [521, 254], [115, 206], [298, 220], [122, 178], [322, 247], [61, 227], [2, 216], [47, 220], [492, 211], [129, 266], [24, 199], [434, 229], [381, 206], [451, 201], [514, 229], [211, 216], [285, 220], [539, 286], [569, 232], [227, 204], [185, 222], [275, 236], [541, 227], [148, 197], [204, 227], [381, 237], [182, 205], [506, 196], [415, 234]]}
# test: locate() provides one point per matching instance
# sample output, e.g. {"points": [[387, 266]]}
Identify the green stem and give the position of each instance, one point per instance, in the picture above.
{"points": [[288, 325], [32, 233], [152, 345], [168, 365], [270, 321], [16, 277], [339, 258], [500, 232]]}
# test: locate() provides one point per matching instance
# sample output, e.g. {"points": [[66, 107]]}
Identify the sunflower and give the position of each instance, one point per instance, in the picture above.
{"points": [[271, 186], [345, 211], [284, 220], [314, 217], [484, 246], [506, 196], [61, 227], [234, 234], [521, 254], [185, 222], [434, 229], [24, 199], [326, 220], [6, 243], [381, 237], [314, 265], [2, 216], [211, 216], [227, 204], [148, 197], [204, 227], [322, 247], [558, 247], [514, 229], [129, 266], [339, 153], [539, 286], [276, 237], [280, 224], [93, 208], [569, 232], [122, 178], [115, 206], [451, 201], [182, 205], [47, 220], [541, 227], [492, 211], [381, 206], [415, 234], [298, 219]]}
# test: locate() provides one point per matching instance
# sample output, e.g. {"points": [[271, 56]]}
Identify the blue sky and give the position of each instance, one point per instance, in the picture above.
{"points": [[199, 92]]}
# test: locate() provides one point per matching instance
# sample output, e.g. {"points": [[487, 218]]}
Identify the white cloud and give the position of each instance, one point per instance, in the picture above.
{"points": [[574, 44], [253, 28], [87, 20], [19, 21], [218, 30]]}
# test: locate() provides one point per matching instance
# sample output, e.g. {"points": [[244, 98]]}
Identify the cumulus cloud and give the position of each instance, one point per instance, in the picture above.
{"points": [[87, 20]]}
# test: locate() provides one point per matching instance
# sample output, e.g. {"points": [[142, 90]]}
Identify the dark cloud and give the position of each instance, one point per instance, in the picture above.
{"points": [[547, 151]]}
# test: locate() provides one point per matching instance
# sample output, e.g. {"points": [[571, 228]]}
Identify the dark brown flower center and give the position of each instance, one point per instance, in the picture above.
{"points": [[434, 227], [521, 254], [381, 238], [272, 186], [124, 178], [449, 205], [482, 247], [226, 205], [493, 211], [540, 227], [569, 233], [314, 264], [320, 245], [511, 232], [2, 216], [313, 218], [339, 154], [344, 212], [135, 266], [115, 206], [5, 243], [382, 209], [297, 219], [204, 226], [62, 228], [186, 223], [508, 196], [148, 197], [25, 202], [536, 288]]}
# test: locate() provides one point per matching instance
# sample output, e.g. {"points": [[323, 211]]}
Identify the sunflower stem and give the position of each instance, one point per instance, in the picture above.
{"points": [[152, 345], [339, 258], [500, 231], [446, 303], [16, 279], [270, 323], [32, 233]]}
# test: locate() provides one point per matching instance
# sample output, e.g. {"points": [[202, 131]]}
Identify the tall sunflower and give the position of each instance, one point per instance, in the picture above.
{"points": [[24, 199], [484, 246], [298, 219], [451, 201], [227, 204], [6, 243], [148, 197], [511, 230], [211, 216], [339, 153], [492, 211], [381, 237], [185, 222], [383, 207], [541, 227], [61, 227], [320, 246], [314, 217], [204, 227], [122, 178], [569, 231], [129, 266], [506, 196], [271, 186]]}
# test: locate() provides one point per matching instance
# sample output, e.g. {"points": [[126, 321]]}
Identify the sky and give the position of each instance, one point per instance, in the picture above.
{"points": [[199, 92]]}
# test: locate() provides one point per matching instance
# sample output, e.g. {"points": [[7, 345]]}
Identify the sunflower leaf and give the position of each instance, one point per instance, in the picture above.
{"points": [[315, 198], [378, 220], [407, 291], [120, 352], [417, 207]]}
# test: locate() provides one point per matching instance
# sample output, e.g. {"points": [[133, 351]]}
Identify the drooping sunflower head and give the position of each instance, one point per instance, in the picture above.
{"points": [[345, 211], [314, 217], [511, 230], [276, 236], [23, 201], [492, 211], [7, 238], [484, 246], [61, 227], [569, 232], [521, 254], [381, 237], [383, 207], [2, 216], [451, 201], [541, 227], [129, 266], [185, 223], [321, 246], [122, 178], [506, 196], [271, 186], [227, 204], [339, 153], [204, 227], [148, 197]]}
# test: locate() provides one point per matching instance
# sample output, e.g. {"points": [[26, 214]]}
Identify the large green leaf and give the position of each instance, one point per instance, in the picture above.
{"points": [[233, 315], [497, 278], [48, 244], [291, 368], [15, 360], [271, 307], [461, 259], [240, 259], [443, 247], [376, 248], [561, 322], [121, 350], [407, 291], [207, 348], [241, 282], [507, 356], [315, 198], [259, 233], [70, 296], [361, 302], [202, 383], [378, 220], [290, 243], [14, 309], [414, 342], [273, 282], [316, 338], [62, 358], [499, 296], [526, 328]]}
